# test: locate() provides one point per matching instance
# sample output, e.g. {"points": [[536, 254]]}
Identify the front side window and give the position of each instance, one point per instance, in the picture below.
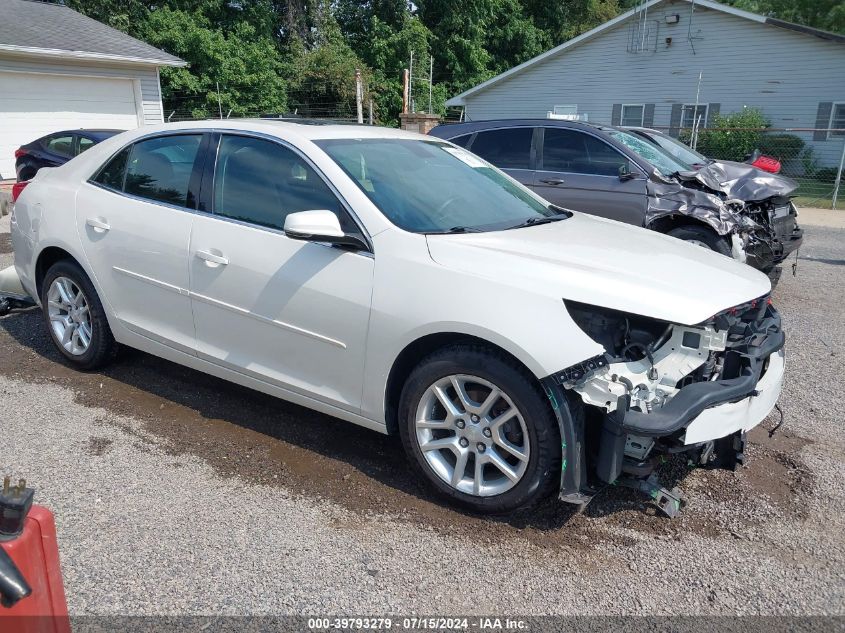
{"points": [[506, 149], [632, 115], [160, 168], [60, 145], [433, 187], [261, 182], [578, 153]]}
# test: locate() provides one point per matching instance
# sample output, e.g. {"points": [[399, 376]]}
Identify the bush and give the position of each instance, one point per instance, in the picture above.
{"points": [[826, 174], [733, 136], [781, 146]]}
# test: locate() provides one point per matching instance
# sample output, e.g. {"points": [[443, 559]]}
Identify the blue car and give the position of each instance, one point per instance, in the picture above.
{"points": [[56, 149]]}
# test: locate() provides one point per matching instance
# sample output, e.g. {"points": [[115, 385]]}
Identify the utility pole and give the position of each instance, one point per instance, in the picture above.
{"points": [[838, 178], [411, 83], [405, 81], [219, 103], [359, 96], [430, 81]]}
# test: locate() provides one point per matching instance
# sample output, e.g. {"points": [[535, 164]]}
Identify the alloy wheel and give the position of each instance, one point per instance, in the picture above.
{"points": [[472, 435], [70, 317]]}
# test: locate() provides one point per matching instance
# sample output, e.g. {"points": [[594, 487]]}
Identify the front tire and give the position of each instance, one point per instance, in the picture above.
{"points": [[480, 430], [75, 317], [704, 237]]}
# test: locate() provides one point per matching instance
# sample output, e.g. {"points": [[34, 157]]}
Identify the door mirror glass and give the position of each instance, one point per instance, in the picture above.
{"points": [[318, 226]]}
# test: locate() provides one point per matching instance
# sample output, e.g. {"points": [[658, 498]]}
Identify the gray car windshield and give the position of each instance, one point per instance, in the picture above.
{"points": [[682, 152], [665, 164], [432, 187]]}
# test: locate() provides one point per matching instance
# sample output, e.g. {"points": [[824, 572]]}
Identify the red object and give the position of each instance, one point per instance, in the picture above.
{"points": [[767, 163], [36, 554], [17, 188], [20, 152]]}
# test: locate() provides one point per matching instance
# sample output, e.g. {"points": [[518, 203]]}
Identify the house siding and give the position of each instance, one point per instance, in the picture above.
{"points": [[743, 63], [147, 77]]}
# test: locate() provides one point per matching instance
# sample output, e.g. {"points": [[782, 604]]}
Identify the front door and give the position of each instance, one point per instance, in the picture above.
{"points": [[286, 311], [580, 171], [135, 228]]}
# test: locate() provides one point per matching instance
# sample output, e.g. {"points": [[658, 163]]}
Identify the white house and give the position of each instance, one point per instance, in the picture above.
{"points": [[643, 68], [60, 70]]}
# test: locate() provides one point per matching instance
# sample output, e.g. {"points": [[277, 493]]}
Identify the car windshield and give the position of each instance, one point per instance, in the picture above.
{"points": [[665, 164], [433, 187], [678, 150]]}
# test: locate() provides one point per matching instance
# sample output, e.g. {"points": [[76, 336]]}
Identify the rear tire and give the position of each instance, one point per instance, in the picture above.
{"points": [[703, 236], [511, 439], [75, 317]]}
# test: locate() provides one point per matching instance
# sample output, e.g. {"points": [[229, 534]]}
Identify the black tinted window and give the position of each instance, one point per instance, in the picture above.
{"points": [[462, 140], [506, 149], [575, 152], [261, 182], [160, 168], [112, 174]]}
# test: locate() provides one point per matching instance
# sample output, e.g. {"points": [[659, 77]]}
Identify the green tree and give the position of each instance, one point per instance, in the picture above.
{"points": [[733, 136], [247, 66], [828, 15]]}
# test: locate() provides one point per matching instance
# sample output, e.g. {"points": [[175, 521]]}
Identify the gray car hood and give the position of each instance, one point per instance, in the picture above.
{"points": [[741, 181]]}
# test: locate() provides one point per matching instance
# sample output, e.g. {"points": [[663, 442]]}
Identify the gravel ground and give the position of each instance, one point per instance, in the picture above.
{"points": [[176, 493]]}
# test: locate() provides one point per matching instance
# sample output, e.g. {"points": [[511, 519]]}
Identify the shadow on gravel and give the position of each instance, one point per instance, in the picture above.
{"points": [[263, 440]]}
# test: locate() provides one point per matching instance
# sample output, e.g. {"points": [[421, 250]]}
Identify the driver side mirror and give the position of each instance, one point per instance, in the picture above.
{"points": [[625, 172], [320, 226]]}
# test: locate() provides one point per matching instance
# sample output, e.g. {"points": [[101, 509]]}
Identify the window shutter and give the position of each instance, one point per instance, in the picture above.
{"points": [[712, 111], [648, 115], [675, 119], [616, 115], [822, 121]]}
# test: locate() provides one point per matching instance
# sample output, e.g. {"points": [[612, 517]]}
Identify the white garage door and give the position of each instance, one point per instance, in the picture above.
{"points": [[32, 105]]}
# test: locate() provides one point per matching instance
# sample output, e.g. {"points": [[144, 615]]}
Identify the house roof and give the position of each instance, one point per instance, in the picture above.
{"points": [[584, 37], [53, 30]]}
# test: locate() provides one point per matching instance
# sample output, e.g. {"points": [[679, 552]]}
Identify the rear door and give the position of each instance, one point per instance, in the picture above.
{"points": [[580, 171], [134, 218], [510, 149]]}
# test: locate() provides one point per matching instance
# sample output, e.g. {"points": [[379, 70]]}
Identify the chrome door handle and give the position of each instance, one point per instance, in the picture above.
{"points": [[552, 181], [212, 258], [101, 226]]}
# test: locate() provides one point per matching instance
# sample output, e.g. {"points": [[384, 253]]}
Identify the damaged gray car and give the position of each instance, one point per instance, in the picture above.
{"points": [[731, 208]]}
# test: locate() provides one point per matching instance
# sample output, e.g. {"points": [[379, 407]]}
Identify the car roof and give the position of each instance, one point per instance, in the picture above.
{"points": [[309, 129], [451, 130]]}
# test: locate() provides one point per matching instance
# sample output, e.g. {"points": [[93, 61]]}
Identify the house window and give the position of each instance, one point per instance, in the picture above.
{"points": [[691, 113], [632, 115], [837, 120]]}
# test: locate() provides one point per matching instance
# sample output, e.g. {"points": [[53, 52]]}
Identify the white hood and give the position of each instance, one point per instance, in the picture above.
{"points": [[606, 263]]}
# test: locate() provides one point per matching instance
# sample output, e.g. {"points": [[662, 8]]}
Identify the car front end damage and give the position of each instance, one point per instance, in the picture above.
{"points": [[750, 208], [662, 389]]}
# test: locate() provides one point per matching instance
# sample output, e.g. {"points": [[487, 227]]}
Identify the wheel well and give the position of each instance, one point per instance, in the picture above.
{"points": [[46, 259], [670, 222], [410, 357]]}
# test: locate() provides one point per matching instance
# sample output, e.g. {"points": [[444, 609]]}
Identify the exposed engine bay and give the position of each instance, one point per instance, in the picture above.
{"points": [[750, 207], [656, 379]]}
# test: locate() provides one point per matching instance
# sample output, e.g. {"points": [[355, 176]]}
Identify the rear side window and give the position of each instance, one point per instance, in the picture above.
{"points": [[261, 182], [111, 175], [160, 168], [575, 152], [85, 143], [506, 149], [60, 145]]}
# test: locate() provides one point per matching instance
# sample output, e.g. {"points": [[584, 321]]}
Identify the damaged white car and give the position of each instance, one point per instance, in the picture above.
{"points": [[401, 283]]}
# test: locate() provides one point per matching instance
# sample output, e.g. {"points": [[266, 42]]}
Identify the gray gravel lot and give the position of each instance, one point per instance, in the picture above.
{"points": [[176, 493]]}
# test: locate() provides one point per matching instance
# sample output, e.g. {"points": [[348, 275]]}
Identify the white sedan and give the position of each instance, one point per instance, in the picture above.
{"points": [[401, 283]]}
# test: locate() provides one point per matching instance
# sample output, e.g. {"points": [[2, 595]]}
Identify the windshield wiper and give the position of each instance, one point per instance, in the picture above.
{"points": [[535, 220], [455, 229]]}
